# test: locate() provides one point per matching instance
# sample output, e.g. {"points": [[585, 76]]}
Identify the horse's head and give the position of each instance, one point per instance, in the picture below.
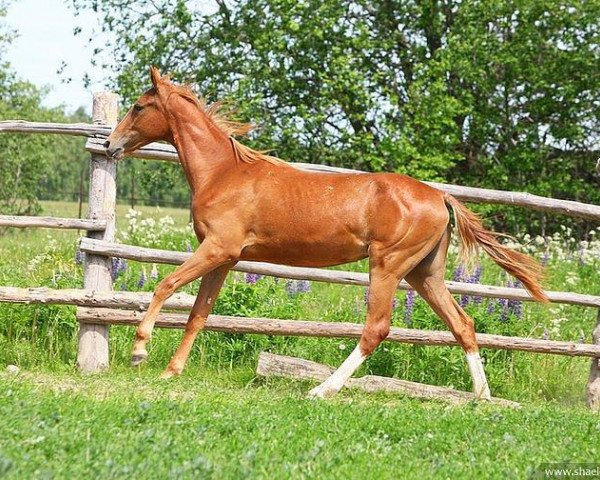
{"points": [[144, 123]]}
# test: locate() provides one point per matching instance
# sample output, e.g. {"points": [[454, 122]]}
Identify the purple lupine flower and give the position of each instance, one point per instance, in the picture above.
{"points": [[491, 307], [188, 246], [394, 303], [503, 303], [114, 265], [303, 286], [79, 256], [517, 309], [291, 288], [252, 278], [476, 275], [122, 266], [143, 278], [154, 272], [366, 296], [515, 306], [118, 266], [409, 305], [459, 273], [474, 278]]}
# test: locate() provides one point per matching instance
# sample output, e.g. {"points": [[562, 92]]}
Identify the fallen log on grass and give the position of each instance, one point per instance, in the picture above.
{"points": [[272, 365]]}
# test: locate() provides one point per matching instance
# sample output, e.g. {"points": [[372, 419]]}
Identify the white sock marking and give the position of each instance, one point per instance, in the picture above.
{"points": [[480, 385], [338, 378]]}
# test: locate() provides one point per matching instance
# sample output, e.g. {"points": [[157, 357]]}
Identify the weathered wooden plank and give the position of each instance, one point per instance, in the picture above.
{"points": [[593, 387], [271, 326], [92, 298], [272, 365], [22, 221], [159, 151], [139, 301], [92, 354], [78, 129], [143, 254]]}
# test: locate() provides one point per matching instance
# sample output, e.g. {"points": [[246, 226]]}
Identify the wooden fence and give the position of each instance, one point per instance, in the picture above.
{"points": [[99, 306]]}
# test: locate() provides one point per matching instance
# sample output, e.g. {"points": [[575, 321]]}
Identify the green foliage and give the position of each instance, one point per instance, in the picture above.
{"points": [[219, 421], [27, 162], [36, 336], [498, 94]]}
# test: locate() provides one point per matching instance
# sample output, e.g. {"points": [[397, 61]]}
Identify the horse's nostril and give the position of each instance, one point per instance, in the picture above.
{"points": [[106, 144]]}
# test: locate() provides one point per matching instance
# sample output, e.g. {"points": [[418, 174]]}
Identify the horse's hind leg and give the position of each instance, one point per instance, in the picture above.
{"points": [[386, 270], [427, 278], [377, 327]]}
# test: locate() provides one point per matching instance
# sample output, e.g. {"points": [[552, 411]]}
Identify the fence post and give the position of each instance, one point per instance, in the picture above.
{"points": [[92, 354], [593, 390]]}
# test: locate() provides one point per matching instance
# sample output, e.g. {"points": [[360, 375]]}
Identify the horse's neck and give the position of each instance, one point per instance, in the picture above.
{"points": [[203, 151]]}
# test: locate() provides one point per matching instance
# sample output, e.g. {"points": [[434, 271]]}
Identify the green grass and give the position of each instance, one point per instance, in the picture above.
{"points": [[215, 424], [218, 421]]}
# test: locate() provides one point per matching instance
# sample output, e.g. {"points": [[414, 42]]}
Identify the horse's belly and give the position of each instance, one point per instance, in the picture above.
{"points": [[306, 254]]}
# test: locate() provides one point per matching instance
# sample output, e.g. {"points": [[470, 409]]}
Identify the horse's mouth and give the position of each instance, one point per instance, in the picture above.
{"points": [[118, 154]]}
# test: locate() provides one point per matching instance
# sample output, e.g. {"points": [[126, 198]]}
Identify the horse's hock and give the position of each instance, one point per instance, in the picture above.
{"points": [[101, 307]]}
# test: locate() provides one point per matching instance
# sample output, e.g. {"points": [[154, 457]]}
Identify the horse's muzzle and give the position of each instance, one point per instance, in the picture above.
{"points": [[116, 153]]}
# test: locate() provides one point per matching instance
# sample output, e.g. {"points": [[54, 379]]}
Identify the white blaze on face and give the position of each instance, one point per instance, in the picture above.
{"points": [[480, 385]]}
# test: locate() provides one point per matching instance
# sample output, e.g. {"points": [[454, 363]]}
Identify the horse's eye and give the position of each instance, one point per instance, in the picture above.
{"points": [[138, 108]]}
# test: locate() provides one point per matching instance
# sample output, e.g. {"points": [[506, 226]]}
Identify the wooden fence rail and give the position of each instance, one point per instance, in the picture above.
{"points": [[273, 326], [107, 308], [143, 254], [23, 221], [99, 307], [77, 129], [159, 151]]}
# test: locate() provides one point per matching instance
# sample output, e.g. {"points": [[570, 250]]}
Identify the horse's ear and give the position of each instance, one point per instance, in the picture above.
{"points": [[155, 77]]}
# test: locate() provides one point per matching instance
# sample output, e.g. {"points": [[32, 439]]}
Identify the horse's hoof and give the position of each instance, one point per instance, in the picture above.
{"points": [[138, 358], [168, 374], [321, 392]]}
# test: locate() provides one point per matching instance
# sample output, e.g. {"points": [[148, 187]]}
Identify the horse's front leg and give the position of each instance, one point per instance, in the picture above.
{"points": [[209, 256], [209, 290]]}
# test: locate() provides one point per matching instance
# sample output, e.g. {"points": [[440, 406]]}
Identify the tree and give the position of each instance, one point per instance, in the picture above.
{"points": [[34, 166], [500, 94]]}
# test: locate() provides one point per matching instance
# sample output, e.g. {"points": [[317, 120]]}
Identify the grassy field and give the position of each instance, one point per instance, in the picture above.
{"points": [[226, 424], [219, 421]]}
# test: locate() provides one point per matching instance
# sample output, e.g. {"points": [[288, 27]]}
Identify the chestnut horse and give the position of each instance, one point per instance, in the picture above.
{"points": [[251, 206]]}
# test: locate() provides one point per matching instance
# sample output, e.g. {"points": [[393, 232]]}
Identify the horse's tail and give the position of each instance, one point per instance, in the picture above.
{"points": [[472, 233]]}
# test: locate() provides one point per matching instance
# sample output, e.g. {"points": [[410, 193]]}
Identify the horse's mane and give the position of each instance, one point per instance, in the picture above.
{"points": [[218, 114]]}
